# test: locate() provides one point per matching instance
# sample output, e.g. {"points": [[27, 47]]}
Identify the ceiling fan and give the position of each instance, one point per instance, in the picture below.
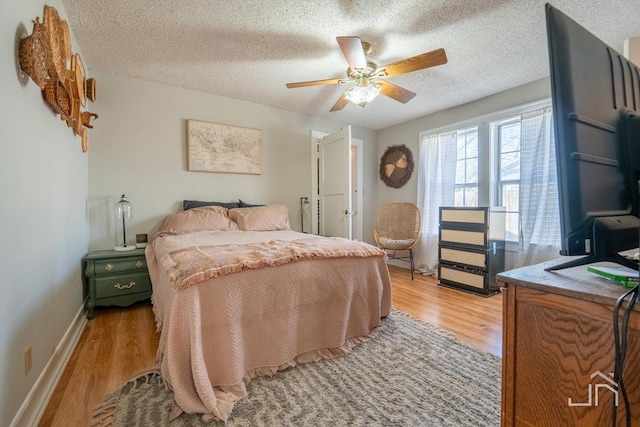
{"points": [[369, 78]]}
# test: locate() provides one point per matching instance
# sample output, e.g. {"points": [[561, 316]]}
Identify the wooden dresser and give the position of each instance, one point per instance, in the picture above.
{"points": [[558, 349], [116, 278]]}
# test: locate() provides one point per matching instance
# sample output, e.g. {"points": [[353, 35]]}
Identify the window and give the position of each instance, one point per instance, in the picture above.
{"points": [[503, 159], [526, 185], [506, 159], [466, 184], [508, 153]]}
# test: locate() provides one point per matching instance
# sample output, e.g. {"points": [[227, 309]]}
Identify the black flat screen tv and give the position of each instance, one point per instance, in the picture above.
{"points": [[596, 110]]}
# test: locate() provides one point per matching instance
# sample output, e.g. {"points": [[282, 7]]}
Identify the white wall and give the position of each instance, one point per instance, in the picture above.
{"points": [[43, 217], [408, 133], [138, 147]]}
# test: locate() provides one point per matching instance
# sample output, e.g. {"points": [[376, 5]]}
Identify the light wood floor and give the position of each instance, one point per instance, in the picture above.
{"points": [[121, 343]]}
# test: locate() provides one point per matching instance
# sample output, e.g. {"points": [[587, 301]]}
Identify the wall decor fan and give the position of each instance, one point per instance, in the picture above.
{"points": [[369, 79]]}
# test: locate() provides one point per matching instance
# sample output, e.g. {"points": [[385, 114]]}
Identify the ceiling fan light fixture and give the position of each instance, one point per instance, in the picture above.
{"points": [[362, 71], [362, 95]]}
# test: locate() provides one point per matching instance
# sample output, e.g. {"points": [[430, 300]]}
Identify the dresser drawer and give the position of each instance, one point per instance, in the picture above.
{"points": [[477, 258], [111, 266], [463, 237], [123, 284], [476, 281], [469, 216], [458, 276]]}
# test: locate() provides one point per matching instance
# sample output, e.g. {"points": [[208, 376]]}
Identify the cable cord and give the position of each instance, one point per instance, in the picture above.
{"points": [[620, 345]]}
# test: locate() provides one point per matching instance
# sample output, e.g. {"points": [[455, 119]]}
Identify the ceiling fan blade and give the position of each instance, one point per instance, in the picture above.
{"points": [[340, 104], [415, 63], [396, 92], [351, 47], [317, 83]]}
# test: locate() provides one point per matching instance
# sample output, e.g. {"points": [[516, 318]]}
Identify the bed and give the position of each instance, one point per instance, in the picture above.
{"points": [[237, 294]]}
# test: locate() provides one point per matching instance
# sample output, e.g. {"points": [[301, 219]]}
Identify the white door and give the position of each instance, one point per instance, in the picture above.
{"points": [[334, 180], [357, 188]]}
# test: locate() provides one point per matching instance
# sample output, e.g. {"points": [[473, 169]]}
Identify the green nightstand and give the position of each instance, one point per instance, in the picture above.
{"points": [[116, 278]]}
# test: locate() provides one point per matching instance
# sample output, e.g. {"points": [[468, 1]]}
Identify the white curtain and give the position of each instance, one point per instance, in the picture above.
{"points": [[539, 211], [436, 187]]}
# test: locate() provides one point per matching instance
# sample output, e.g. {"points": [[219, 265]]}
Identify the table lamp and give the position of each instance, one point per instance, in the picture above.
{"points": [[123, 210]]}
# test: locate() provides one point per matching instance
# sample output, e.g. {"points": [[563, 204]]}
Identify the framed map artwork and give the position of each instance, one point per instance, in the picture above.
{"points": [[214, 147]]}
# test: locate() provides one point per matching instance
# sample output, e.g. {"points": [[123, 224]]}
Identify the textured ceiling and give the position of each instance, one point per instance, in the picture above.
{"points": [[249, 49]]}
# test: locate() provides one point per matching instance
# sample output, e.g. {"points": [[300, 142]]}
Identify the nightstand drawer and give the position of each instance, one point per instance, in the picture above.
{"points": [[111, 266], [124, 284]]}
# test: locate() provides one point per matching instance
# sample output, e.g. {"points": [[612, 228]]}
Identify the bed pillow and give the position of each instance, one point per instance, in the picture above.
{"points": [[261, 218], [190, 204], [246, 205], [214, 218]]}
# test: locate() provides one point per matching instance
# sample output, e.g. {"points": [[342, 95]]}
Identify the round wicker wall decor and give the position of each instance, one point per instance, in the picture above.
{"points": [[396, 166]]}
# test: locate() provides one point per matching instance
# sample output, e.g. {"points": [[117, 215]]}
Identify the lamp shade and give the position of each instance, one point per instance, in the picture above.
{"points": [[123, 210], [362, 95]]}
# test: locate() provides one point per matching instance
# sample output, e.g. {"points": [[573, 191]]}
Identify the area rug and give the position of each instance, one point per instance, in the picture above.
{"points": [[411, 374]]}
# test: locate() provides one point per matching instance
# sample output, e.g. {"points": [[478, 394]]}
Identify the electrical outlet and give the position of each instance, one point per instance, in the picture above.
{"points": [[27, 360]]}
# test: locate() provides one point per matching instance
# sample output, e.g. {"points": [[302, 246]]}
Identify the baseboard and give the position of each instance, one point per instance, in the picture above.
{"points": [[34, 405], [398, 263]]}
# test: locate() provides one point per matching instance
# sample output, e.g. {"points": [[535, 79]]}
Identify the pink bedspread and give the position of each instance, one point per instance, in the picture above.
{"points": [[195, 264], [218, 334]]}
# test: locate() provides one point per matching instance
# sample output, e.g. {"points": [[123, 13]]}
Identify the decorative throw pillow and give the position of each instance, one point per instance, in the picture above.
{"points": [[214, 218], [190, 204], [261, 218]]}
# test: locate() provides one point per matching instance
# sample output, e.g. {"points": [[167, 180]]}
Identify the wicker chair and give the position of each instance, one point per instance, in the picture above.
{"points": [[398, 229]]}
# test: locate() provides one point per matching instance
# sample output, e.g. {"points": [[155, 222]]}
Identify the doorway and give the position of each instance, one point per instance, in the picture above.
{"points": [[356, 158]]}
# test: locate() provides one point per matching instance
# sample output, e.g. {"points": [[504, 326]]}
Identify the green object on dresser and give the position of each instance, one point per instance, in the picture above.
{"points": [[116, 278]]}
